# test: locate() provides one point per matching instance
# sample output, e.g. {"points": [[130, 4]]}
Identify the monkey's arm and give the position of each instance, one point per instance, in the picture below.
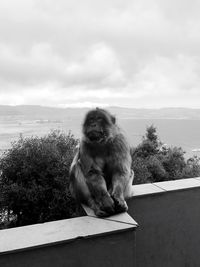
{"points": [[122, 175]]}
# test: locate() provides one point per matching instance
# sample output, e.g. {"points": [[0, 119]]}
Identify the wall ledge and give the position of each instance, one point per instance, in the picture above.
{"points": [[124, 217], [166, 186], [51, 233]]}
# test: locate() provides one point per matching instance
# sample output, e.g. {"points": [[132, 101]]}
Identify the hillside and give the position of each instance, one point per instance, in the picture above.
{"points": [[52, 113]]}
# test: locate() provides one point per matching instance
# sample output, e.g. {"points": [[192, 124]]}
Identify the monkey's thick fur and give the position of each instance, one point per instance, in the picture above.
{"points": [[100, 174]]}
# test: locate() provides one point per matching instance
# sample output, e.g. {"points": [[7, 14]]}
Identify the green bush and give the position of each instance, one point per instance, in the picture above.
{"points": [[192, 168], [154, 162], [34, 178], [34, 175]]}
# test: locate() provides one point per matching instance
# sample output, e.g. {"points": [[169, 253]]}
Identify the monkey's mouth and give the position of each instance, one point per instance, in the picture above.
{"points": [[96, 136]]}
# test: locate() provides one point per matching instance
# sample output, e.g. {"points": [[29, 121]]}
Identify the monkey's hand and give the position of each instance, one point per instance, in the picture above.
{"points": [[118, 198]]}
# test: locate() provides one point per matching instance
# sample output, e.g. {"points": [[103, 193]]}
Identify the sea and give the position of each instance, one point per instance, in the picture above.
{"points": [[183, 133]]}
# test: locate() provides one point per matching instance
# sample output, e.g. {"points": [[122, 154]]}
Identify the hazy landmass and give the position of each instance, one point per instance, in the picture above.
{"points": [[175, 126], [31, 111]]}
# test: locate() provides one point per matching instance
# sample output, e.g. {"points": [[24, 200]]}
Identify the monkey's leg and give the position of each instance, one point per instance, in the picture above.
{"points": [[79, 188], [119, 182], [91, 190], [97, 186]]}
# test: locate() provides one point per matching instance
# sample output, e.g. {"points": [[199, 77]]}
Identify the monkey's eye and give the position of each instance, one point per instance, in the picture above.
{"points": [[91, 121], [99, 119]]}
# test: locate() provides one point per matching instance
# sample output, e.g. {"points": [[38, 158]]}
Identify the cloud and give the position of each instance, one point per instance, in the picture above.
{"points": [[167, 75], [39, 65], [138, 53], [98, 67]]}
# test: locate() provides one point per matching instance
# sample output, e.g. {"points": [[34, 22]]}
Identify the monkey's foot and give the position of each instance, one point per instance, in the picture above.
{"points": [[105, 206], [120, 205], [104, 213], [101, 213], [97, 210], [102, 207]]}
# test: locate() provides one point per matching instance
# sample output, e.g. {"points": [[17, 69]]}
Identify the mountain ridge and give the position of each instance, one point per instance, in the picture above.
{"points": [[121, 112]]}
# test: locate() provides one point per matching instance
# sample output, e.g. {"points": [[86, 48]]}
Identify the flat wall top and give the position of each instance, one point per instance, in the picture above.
{"points": [[57, 231], [22, 238], [123, 217], [161, 187]]}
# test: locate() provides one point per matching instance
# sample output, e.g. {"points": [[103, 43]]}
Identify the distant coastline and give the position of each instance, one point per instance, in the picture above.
{"points": [[134, 113], [175, 127]]}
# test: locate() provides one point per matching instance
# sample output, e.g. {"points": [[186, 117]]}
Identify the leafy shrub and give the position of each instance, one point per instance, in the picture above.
{"points": [[173, 162], [34, 175], [34, 178], [192, 168], [154, 162]]}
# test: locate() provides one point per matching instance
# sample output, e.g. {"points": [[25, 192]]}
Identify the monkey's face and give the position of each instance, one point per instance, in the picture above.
{"points": [[98, 126]]}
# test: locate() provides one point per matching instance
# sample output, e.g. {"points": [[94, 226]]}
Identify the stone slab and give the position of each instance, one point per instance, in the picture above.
{"points": [[58, 231], [179, 184]]}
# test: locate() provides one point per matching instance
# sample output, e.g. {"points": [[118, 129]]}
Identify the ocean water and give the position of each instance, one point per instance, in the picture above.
{"points": [[173, 132]]}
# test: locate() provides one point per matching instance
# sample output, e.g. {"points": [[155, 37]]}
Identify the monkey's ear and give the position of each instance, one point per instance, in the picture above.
{"points": [[113, 119]]}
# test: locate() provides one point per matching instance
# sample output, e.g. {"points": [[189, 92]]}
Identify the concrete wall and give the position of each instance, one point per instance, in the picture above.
{"points": [[109, 250], [81, 242], [169, 224], [168, 214]]}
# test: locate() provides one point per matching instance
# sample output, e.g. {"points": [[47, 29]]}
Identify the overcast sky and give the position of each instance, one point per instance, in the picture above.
{"points": [[135, 53]]}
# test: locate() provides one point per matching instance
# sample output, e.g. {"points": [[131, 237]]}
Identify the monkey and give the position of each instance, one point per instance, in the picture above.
{"points": [[100, 173]]}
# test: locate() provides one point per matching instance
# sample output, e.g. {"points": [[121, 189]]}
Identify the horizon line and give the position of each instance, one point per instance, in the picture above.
{"points": [[102, 106]]}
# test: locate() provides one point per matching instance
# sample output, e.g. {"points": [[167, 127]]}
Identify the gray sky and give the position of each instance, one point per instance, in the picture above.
{"points": [[136, 53]]}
